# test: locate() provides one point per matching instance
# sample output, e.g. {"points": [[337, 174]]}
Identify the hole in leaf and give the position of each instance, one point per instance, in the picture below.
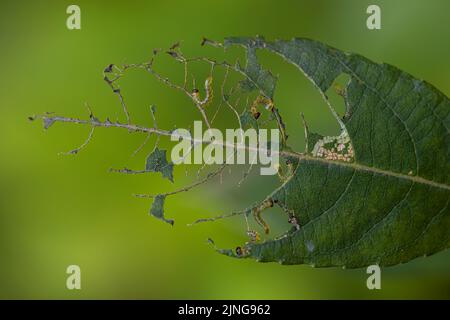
{"points": [[336, 94]]}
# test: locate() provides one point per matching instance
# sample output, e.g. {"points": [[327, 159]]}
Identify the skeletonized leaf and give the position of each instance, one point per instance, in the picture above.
{"points": [[247, 120], [379, 192], [257, 77], [157, 162], [157, 209]]}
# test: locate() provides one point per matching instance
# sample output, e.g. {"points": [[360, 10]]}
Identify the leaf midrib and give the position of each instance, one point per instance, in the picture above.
{"points": [[361, 167], [357, 166]]}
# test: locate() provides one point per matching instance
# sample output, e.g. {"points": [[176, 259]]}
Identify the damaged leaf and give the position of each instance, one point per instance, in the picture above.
{"points": [[157, 209], [257, 77], [390, 202], [375, 193], [157, 162], [248, 120]]}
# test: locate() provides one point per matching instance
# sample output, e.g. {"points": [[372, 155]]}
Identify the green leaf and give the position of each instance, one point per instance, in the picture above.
{"points": [[311, 138], [257, 77], [157, 162], [247, 120], [157, 209], [388, 202]]}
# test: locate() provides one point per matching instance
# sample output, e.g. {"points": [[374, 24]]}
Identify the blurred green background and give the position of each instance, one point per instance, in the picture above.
{"points": [[60, 210]]}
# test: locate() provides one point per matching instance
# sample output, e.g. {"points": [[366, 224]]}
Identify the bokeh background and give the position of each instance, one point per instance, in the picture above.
{"points": [[60, 210]]}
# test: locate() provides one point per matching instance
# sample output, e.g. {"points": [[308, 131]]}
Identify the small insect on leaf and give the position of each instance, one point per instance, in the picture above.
{"points": [[208, 94]]}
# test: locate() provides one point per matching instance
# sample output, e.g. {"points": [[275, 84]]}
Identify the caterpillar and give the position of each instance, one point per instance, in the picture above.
{"points": [[260, 100], [257, 214], [242, 251], [208, 93]]}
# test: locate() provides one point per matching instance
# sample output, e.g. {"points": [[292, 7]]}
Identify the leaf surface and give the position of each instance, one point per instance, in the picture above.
{"points": [[157, 162], [385, 199], [157, 209]]}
